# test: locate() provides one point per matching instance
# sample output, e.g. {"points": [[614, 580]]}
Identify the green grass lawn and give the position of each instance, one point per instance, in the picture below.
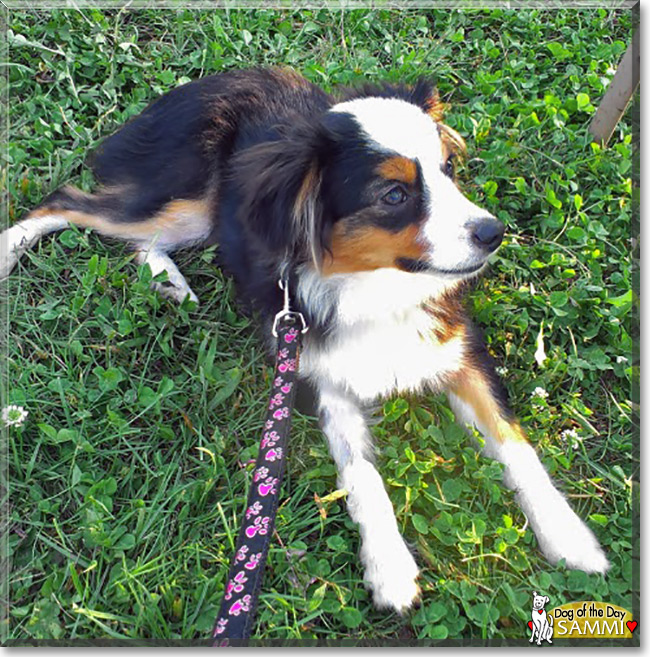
{"points": [[128, 478]]}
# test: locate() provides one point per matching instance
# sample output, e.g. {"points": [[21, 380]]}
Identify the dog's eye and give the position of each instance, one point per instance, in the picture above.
{"points": [[396, 196], [449, 168]]}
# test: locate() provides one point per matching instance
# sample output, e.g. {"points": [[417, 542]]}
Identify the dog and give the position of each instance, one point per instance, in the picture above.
{"points": [[542, 623], [352, 200]]}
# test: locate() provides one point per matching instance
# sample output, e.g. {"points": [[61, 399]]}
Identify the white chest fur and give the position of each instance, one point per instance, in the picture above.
{"points": [[377, 358]]}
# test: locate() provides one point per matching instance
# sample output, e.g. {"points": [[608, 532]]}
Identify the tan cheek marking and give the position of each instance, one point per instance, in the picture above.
{"points": [[370, 248], [399, 168], [472, 388]]}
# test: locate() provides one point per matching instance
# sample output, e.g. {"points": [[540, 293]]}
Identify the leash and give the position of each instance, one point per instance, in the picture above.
{"points": [[239, 602]]}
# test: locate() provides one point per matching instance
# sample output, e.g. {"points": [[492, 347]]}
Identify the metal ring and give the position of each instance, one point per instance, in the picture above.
{"points": [[284, 313]]}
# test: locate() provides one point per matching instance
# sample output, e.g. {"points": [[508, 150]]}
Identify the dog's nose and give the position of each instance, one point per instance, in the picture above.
{"points": [[487, 233]]}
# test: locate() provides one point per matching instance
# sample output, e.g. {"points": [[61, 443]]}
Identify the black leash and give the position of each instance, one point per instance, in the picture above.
{"points": [[234, 623]]}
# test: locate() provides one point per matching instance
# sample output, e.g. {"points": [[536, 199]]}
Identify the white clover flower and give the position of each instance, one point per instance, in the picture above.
{"points": [[13, 415], [571, 435], [621, 359], [539, 392], [501, 370]]}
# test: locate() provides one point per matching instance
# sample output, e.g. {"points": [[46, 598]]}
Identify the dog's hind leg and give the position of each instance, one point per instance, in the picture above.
{"points": [[475, 398], [176, 224], [390, 570], [21, 236], [63, 207]]}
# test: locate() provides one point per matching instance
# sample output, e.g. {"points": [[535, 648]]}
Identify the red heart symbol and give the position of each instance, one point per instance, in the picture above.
{"points": [[540, 611], [631, 625], [530, 625]]}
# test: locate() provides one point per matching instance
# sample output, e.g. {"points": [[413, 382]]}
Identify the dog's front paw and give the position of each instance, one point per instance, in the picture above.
{"points": [[577, 546], [391, 573], [562, 535]]}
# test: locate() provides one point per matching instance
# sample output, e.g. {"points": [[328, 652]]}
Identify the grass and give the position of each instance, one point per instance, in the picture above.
{"points": [[129, 476]]}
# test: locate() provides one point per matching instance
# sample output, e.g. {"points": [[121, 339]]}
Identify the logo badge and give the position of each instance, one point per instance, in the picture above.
{"points": [[579, 620], [541, 623]]}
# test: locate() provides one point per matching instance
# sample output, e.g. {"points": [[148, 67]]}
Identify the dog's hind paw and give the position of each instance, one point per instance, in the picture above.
{"points": [[13, 243], [392, 577]]}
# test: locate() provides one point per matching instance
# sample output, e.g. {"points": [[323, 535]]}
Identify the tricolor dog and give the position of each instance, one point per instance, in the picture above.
{"points": [[353, 198]]}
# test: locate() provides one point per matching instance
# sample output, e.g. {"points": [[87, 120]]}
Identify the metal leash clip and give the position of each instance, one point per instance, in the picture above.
{"points": [[283, 284]]}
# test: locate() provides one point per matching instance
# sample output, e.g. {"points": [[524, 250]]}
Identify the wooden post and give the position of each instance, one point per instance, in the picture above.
{"points": [[618, 95]]}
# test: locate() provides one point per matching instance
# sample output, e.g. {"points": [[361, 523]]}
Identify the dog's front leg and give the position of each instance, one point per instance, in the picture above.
{"points": [[390, 570], [561, 534]]}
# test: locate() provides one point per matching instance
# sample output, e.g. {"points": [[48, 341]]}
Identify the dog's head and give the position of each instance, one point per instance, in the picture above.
{"points": [[539, 601], [370, 185]]}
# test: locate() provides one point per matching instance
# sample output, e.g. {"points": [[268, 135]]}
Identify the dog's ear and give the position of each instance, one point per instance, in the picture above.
{"points": [[425, 95], [534, 594], [547, 599], [279, 184]]}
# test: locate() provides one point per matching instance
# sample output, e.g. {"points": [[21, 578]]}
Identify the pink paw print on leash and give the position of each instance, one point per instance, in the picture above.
{"points": [[221, 626], [241, 553], [240, 605], [261, 473], [274, 454], [290, 335], [270, 438], [260, 525], [288, 365], [281, 413], [268, 487], [276, 400], [251, 564], [253, 510], [236, 584]]}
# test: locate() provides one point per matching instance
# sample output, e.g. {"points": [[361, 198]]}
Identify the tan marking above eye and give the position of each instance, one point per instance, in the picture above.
{"points": [[370, 247], [399, 168]]}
